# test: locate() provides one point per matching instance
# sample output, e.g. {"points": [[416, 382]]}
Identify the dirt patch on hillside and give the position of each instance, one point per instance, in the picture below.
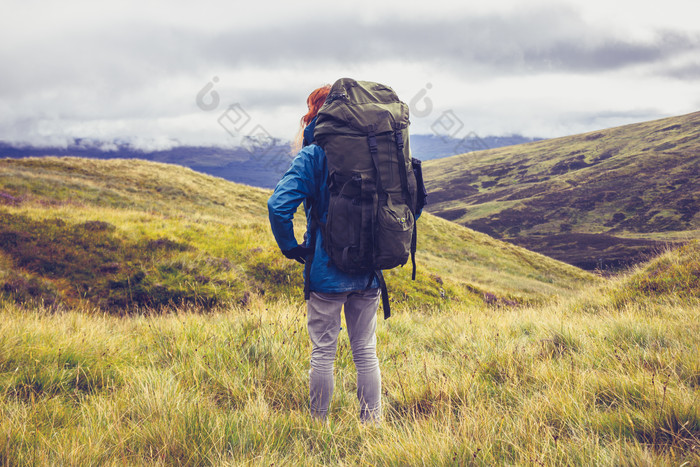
{"points": [[592, 251]]}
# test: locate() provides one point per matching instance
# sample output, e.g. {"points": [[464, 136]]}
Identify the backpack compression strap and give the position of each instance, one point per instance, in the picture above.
{"points": [[310, 258], [385, 293], [407, 195], [315, 224], [372, 140]]}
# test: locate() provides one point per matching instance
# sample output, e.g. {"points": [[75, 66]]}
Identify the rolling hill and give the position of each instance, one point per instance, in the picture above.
{"points": [[603, 199], [120, 235], [214, 368]]}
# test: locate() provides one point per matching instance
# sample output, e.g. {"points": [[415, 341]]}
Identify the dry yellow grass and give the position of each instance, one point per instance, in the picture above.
{"points": [[584, 372], [589, 380]]}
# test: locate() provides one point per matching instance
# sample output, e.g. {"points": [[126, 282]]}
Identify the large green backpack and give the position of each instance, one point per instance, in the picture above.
{"points": [[371, 224]]}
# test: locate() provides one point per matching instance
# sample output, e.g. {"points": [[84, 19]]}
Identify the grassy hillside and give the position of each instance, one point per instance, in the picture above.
{"points": [[609, 377], [604, 198], [584, 371], [119, 235]]}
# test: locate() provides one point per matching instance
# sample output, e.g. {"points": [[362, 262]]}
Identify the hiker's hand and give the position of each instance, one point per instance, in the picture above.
{"points": [[298, 253]]}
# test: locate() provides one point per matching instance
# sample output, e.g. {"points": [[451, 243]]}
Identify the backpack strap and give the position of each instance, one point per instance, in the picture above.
{"points": [[312, 244], [372, 141], [406, 194], [402, 169], [413, 249], [313, 227], [384, 291]]}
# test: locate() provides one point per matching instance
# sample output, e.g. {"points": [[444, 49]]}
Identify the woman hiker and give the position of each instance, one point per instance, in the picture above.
{"points": [[330, 289]]}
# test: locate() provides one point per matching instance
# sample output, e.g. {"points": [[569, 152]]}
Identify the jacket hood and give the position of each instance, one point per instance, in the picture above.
{"points": [[309, 132]]}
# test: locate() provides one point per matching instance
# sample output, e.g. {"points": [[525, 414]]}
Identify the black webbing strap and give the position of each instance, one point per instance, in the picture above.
{"points": [[307, 280], [413, 249], [385, 293], [403, 173], [313, 227], [310, 258], [372, 141]]}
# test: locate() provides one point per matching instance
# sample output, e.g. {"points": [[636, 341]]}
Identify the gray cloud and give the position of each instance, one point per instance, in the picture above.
{"points": [[610, 53], [689, 72], [533, 41], [143, 68], [524, 42], [131, 55]]}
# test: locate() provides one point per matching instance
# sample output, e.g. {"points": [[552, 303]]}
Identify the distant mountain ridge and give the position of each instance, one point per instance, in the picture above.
{"points": [[255, 163], [428, 147], [601, 199]]}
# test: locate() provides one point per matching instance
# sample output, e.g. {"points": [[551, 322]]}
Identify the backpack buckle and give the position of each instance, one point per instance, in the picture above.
{"points": [[399, 139], [372, 140]]}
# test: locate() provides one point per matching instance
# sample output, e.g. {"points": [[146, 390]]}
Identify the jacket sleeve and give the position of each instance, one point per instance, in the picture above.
{"points": [[297, 184]]}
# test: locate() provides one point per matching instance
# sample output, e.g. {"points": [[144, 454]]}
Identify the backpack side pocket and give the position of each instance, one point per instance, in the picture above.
{"points": [[394, 234]]}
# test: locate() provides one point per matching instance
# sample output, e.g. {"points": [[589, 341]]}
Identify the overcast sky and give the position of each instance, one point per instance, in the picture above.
{"points": [[163, 73]]}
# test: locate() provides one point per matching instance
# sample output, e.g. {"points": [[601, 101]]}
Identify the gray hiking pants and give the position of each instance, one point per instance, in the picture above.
{"points": [[324, 326]]}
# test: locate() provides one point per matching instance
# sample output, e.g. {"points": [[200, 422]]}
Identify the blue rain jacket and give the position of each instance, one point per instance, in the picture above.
{"points": [[307, 179]]}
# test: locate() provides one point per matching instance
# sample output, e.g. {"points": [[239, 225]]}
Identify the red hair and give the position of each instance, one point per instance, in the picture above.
{"points": [[314, 103]]}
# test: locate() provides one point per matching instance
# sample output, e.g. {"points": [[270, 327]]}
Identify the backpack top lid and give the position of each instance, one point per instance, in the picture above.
{"points": [[361, 107]]}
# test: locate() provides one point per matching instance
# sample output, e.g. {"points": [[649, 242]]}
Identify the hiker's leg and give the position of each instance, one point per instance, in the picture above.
{"points": [[323, 313], [361, 319]]}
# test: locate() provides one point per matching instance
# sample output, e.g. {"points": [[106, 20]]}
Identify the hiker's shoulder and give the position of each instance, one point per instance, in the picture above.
{"points": [[311, 154], [314, 150]]}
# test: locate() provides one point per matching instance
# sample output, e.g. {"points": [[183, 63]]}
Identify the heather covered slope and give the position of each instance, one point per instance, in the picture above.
{"points": [[590, 369], [605, 198], [127, 234]]}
